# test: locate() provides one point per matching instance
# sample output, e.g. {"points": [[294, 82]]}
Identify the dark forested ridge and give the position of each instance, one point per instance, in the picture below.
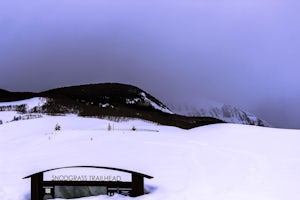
{"points": [[108, 100]]}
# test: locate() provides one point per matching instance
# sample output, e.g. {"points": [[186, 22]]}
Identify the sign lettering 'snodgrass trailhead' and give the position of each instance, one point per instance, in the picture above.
{"points": [[76, 186], [86, 178]]}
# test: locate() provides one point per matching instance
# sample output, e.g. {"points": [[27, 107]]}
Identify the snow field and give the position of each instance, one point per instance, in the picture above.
{"points": [[222, 161]]}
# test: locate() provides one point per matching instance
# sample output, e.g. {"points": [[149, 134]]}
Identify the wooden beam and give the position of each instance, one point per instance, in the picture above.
{"points": [[96, 167], [137, 185], [88, 183], [37, 187]]}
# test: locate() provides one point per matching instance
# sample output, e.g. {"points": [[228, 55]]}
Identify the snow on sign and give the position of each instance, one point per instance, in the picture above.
{"points": [[76, 185]]}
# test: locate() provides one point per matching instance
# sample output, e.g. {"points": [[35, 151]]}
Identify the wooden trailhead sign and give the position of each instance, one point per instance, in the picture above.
{"points": [[72, 186]]}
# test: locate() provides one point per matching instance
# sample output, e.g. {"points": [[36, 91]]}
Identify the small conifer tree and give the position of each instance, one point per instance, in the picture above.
{"points": [[109, 127], [57, 127], [133, 128]]}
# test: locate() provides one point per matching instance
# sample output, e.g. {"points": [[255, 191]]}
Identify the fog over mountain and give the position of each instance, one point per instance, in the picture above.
{"points": [[241, 53]]}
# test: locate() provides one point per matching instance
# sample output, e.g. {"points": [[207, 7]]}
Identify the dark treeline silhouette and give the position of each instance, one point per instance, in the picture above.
{"points": [[105, 100]]}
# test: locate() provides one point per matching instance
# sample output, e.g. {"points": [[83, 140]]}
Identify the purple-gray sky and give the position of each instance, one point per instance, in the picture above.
{"points": [[244, 53]]}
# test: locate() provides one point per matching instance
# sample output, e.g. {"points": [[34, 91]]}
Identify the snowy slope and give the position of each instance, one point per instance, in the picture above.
{"points": [[143, 99], [220, 111], [222, 161], [30, 103], [12, 109]]}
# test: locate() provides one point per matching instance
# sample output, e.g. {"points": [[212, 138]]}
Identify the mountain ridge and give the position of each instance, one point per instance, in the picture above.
{"points": [[225, 112], [112, 100]]}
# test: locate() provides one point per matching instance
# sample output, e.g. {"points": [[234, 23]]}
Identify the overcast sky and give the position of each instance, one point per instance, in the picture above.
{"points": [[244, 53]]}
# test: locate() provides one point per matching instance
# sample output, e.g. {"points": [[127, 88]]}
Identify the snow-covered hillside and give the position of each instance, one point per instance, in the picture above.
{"points": [[145, 100], [220, 111], [221, 161], [29, 103], [21, 110]]}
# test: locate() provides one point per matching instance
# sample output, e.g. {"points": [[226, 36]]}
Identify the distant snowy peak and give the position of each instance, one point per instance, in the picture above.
{"points": [[145, 100], [223, 112]]}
